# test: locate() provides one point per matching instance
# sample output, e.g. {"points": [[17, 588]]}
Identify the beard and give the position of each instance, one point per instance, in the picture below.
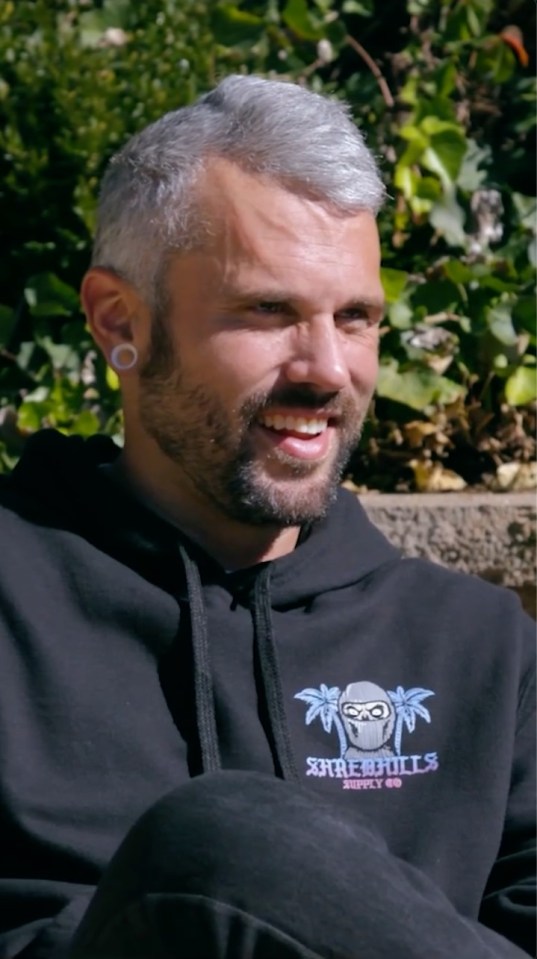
{"points": [[215, 449]]}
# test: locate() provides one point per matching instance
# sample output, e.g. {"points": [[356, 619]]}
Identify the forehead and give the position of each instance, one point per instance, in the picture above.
{"points": [[259, 229]]}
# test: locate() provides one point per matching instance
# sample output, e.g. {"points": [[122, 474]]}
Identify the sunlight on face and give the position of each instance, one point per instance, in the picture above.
{"points": [[261, 373]]}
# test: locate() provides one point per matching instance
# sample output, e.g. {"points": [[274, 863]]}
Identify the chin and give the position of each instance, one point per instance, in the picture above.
{"points": [[284, 504]]}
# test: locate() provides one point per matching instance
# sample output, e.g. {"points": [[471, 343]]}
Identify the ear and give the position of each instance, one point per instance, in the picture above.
{"points": [[114, 310]]}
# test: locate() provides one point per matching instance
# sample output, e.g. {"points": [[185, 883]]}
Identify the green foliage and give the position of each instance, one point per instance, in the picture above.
{"points": [[446, 98]]}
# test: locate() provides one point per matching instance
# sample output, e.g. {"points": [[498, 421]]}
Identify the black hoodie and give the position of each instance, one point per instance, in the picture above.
{"points": [[130, 661]]}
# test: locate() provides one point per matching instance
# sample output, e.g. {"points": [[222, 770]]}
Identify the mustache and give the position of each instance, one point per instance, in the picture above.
{"points": [[302, 397]]}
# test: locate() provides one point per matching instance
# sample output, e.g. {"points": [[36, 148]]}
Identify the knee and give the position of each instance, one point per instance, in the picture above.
{"points": [[232, 826]]}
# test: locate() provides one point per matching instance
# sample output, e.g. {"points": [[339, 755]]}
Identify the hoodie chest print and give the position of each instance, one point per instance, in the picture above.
{"points": [[370, 728]]}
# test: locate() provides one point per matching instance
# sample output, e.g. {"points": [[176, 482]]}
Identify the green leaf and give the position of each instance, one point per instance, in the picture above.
{"points": [[61, 354], [112, 379], [86, 423], [409, 91], [31, 414], [458, 272], [526, 207], [26, 354], [473, 21], [500, 362], [302, 21], [446, 79], [427, 188], [324, 6], [500, 324], [471, 174], [521, 386], [467, 20], [232, 26], [400, 315], [524, 314], [39, 395], [447, 217], [496, 62], [364, 8], [413, 133], [419, 7], [417, 388], [432, 124], [437, 296], [93, 23], [489, 282], [47, 295], [445, 154], [336, 32], [393, 283]]}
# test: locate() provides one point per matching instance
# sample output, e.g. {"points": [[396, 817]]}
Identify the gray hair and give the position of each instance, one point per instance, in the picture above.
{"points": [[305, 142]]}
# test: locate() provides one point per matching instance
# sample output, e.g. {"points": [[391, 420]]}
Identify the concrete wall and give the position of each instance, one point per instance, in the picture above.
{"points": [[489, 534]]}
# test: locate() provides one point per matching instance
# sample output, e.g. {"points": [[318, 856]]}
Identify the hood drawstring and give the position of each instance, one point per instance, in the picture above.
{"points": [[203, 682], [269, 668], [270, 676]]}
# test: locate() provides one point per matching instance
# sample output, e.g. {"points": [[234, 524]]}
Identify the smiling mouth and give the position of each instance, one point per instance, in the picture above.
{"points": [[299, 426]]}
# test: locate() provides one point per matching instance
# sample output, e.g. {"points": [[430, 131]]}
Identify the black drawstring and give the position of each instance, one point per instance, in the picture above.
{"points": [[203, 683], [268, 662], [270, 676]]}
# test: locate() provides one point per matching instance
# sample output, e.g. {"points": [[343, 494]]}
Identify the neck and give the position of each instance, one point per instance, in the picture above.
{"points": [[234, 545]]}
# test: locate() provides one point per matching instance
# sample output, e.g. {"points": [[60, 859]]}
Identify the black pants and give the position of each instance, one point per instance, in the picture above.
{"points": [[243, 866]]}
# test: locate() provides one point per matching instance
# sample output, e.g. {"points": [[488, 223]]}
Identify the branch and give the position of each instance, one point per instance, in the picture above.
{"points": [[375, 70]]}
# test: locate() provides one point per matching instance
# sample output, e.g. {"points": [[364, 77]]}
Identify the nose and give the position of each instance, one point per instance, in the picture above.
{"points": [[318, 356]]}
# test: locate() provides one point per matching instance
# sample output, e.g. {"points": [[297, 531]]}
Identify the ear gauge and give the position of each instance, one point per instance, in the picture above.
{"points": [[124, 356]]}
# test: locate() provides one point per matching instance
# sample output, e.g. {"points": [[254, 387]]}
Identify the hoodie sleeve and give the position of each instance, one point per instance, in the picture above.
{"points": [[509, 903], [39, 917]]}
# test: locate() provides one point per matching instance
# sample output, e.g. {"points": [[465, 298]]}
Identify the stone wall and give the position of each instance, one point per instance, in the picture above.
{"points": [[489, 534]]}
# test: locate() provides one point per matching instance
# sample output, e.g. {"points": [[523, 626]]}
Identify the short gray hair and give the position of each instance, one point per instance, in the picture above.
{"points": [[305, 142]]}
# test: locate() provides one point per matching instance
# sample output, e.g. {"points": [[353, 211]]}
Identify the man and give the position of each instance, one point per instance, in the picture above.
{"points": [[313, 747]]}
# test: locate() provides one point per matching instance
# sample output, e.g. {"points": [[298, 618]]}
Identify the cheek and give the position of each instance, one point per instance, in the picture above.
{"points": [[240, 364], [364, 365]]}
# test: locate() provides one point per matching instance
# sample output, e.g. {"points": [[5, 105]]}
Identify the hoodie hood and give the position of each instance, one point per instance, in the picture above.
{"points": [[60, 477], [59, 482]]}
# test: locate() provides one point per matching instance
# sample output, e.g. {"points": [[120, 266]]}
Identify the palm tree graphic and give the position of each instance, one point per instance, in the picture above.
{"points": [[408, 706], [323, 703]]}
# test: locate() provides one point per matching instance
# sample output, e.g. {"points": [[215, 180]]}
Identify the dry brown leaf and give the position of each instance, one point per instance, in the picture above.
{"points": [[416, 431], [515, 476], [434, 478]]}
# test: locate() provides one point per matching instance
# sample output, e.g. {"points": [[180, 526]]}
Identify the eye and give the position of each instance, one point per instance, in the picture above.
{"points": [[270, 307], [379, 710], [355, 316]]}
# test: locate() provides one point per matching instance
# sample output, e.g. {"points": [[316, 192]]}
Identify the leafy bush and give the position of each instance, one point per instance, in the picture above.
{"points": [[446, 96]]}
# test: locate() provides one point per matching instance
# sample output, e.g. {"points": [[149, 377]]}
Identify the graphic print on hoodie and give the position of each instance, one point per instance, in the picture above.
{"points": [[400, 690], [369, 722]]}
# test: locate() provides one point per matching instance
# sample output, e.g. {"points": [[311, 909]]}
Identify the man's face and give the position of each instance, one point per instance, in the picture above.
{"points": [[261, 372]]}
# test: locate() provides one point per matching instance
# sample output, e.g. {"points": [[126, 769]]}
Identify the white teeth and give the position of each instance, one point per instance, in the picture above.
{"points": [[296, 424]]}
